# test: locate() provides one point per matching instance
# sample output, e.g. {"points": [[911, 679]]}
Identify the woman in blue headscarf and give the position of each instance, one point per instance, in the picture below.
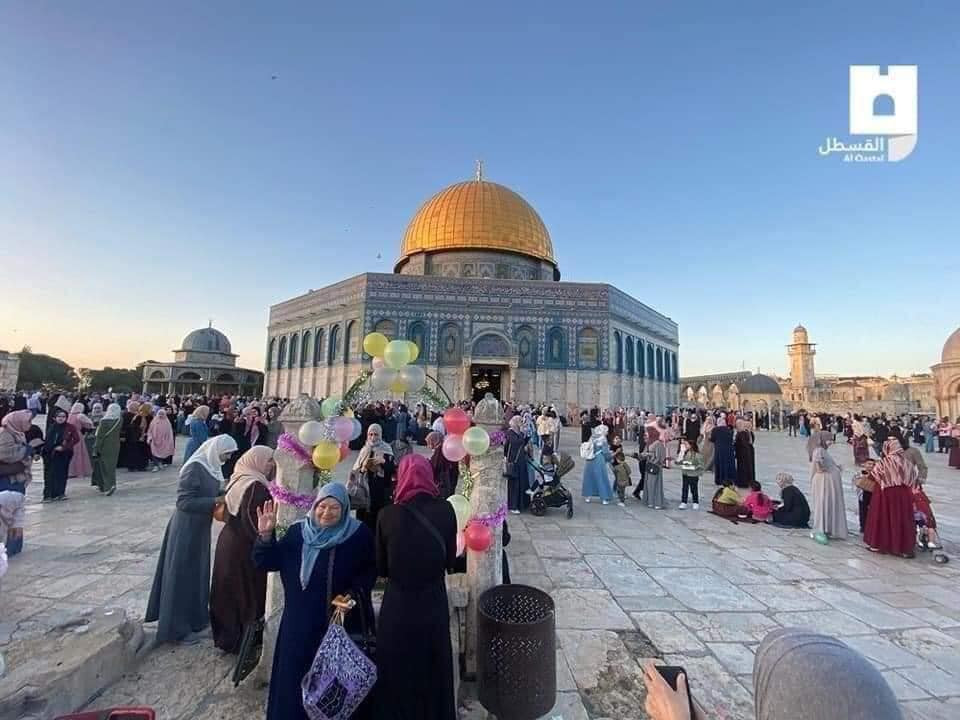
{"points": [[326, 554]]}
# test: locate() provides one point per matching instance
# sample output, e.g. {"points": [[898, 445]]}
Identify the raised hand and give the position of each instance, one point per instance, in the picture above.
{"points": [[267, 518]]}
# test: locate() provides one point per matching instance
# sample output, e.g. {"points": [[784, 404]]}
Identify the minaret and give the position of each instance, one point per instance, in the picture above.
{"points": [[801, 352]]}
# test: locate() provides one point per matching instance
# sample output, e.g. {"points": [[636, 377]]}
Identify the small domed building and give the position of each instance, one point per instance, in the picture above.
{"points": [[203, 365], [477, 287], [946, 378]]}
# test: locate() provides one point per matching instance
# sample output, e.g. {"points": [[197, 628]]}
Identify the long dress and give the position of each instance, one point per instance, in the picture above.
{"points": [[238, 593], [707, 451], [861, 449], [181, 585], [80, 465], [596, 481], [305, 610], [794, 511], [746, 470], [890, 527], [724, 466], [514, 450], [826, 489], [106, 453], [653, 485], [138, 452], [953, 459], [414, 655], [199, 434]]}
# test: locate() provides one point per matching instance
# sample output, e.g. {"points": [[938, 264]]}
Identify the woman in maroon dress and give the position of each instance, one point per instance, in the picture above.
{"points": [[890, 526]]}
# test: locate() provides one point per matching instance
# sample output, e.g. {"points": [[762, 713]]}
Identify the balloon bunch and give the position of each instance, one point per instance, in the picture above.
{"points": [[461, 439], [391, 364], [328, 439]]}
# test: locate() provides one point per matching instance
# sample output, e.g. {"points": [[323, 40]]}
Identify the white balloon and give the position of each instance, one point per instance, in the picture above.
{"points": [[414, 376], [311, 433], [384, 378]]}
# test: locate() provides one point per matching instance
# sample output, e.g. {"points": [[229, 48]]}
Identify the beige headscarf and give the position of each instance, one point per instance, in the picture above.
{"points": [[251, 468], [369, 449]]}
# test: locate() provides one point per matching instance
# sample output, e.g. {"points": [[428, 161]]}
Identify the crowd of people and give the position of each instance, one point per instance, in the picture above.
{"points": [[407, 533]]}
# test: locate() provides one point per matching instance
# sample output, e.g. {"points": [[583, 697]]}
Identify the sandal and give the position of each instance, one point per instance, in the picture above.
{"points": [[873, 549]]}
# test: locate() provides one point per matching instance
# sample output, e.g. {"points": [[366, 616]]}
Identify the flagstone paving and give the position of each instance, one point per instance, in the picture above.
{"points": [[629, 583]]}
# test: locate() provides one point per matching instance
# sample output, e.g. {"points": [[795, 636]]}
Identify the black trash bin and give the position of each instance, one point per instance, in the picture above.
{"points": [[516, 652]]}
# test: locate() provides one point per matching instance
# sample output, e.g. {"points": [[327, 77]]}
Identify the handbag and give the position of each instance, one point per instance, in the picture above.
{"points": [[341, 674], [510, 466], [358, 489], [220, 512], [586, 450], [251, 648], [865, 483]]}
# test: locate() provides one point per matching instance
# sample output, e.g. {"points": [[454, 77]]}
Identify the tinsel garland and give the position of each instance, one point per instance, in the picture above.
{"points": [[492, 520], [357, 393], [431, 397], [466, 480], [288, 443], [285, 496], [498, 438]]}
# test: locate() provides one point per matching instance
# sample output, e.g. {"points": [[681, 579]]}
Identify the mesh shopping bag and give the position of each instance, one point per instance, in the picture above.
{"points": [[340, 676]]}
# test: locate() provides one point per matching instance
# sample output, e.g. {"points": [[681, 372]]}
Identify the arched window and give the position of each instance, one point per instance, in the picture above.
{"points": [[556, 352], [641, 359], [333, 347], [659, 364], [271, 347], [318, 347], [156, 375], [450, 350], [386, 327], [651, 362], [526, 347], [282, 354], [673, 366], [630, 356], [349, 342], [618, 351], [588, 348], [417, 334], [294, 344], [304, 348]]}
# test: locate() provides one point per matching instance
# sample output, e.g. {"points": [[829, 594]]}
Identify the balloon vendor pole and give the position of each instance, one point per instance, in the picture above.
{"points": [[485, 568]]}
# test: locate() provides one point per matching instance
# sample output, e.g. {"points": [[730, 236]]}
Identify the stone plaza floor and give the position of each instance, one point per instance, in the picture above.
{"points": [[629, 583]]}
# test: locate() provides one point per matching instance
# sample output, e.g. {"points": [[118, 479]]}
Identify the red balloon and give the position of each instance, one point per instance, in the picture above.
{"points": [[477, 537], [456, 421], [344, 451]]}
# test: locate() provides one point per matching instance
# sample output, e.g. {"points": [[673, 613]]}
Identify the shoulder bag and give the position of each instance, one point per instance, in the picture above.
{"points": [[358, 488], [421, 518]]}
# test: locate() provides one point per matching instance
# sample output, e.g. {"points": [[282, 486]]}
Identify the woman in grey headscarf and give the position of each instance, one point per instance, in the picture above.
{"points": [[826, 491], [377, 462], [797, 675]]}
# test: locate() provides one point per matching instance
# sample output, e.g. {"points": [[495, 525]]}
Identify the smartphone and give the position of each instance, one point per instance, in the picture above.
{"points": [[670, 673]]}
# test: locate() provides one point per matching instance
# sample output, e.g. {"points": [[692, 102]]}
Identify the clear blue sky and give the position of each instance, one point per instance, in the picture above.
{"points": [[153, 175]]}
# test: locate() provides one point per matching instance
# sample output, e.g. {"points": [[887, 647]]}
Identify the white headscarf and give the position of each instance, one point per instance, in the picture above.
{"points": [[114, 412], [208, 455]]}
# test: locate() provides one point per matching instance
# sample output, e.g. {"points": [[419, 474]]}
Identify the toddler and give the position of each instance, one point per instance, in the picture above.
{"points": [[759, 505]]}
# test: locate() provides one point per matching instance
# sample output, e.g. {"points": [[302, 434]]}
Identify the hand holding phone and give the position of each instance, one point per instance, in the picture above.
{"points": [[668, 695]]}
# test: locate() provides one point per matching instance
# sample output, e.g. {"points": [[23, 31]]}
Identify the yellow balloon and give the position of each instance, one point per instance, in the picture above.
{"points": [[347, 412], [398, 386], [414, 351], [325, 455], [375, 343], [396, 354]]}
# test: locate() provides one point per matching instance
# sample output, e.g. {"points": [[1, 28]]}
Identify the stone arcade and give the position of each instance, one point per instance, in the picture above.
{"points": [[477, 287]]}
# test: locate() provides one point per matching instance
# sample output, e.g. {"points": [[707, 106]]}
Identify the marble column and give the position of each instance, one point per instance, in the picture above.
{"points": [[484, 570], [294, 476]]}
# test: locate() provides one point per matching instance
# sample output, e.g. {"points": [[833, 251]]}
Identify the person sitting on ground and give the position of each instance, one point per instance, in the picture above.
{"points": [[758, 503], [794, 511], [726, 501], [797, 675]]}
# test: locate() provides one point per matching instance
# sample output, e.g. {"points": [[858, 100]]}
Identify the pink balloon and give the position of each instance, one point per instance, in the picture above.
{"points": [[478, 537], [453, 449], [377, 363], [344, 451], [456, 421], [461, 544], [343, 428]]}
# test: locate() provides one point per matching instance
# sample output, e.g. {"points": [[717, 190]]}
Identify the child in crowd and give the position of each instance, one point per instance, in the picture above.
{"points": [[621, 471], [923, 514], [548, 464], [691, 468], [865, 486], [726, 501], [759, 505]]}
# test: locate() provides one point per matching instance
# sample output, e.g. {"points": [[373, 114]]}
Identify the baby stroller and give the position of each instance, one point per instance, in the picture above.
{"points": [[927, 538], [551, 493]]}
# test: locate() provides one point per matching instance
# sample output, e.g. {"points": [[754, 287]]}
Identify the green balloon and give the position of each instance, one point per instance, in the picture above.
{"points": [[330, 406], [396, 354]]}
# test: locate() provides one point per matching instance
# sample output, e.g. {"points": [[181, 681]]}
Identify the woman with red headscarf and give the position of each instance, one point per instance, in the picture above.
{"points": [[416, 544], [890, 527]]}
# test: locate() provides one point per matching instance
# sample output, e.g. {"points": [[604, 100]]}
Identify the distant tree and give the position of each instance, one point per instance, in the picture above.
{"points": [[38, 370], [120, 379]]}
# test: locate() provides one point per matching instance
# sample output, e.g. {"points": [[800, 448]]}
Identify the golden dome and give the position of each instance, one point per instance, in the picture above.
{"points": [[477, 214]]}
